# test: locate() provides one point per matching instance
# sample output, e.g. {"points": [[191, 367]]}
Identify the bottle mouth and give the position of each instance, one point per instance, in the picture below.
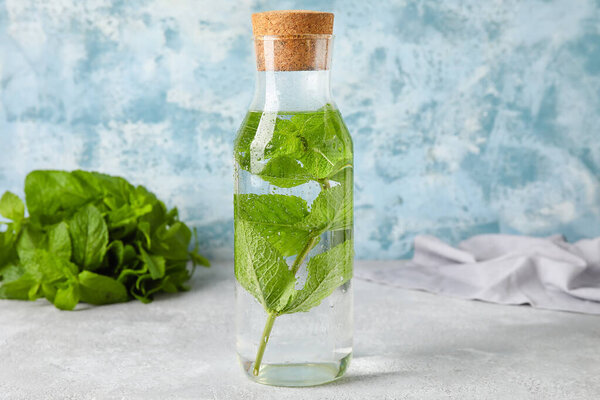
{"points": [[305, 52]]}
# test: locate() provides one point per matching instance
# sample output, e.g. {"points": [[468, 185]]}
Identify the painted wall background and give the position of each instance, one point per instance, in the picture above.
{"points": [[467, 116]]}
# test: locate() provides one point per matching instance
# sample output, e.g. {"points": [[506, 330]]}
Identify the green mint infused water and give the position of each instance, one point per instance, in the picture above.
{"points": [[293, 210]]}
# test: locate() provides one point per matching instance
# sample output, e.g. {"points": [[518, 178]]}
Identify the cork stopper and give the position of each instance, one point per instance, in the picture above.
{"points": [[292, 40], [292, 23]]}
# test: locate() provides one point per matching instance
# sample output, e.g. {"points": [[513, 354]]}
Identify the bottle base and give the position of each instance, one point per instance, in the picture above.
{"points": [[297, 375]]}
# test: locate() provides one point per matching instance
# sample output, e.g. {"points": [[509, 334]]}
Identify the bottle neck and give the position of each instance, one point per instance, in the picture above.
{"points": [[291, 90]]}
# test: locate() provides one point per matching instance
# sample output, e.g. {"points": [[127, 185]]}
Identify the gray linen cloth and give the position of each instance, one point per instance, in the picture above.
{"points": [[546, 273]]}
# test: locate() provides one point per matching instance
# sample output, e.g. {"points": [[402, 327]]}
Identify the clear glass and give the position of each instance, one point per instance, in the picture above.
{"points": [[293, 224]]}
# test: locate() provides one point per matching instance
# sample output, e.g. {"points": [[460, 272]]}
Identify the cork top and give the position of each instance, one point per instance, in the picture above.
{"points": [[292, 40], [292, 23]]}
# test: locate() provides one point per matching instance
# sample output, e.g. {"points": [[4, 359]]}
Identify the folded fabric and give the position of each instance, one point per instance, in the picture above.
{"points": [[546, 273]]}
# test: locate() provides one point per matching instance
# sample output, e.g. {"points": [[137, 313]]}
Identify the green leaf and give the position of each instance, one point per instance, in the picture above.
{"points": [[260, 268], [178, 276], [30, 240], [8, 251], [158, 216], [324, 142], [172, 242], [49, 290], [195, 256], [285, 172], [286, 140], [52, 196], [67, 296], [59, 241], [155, 264], [44, 266], [17, 289], [89, 235], [127, 214], [129, 254], [326, 272], [172, 216], [245, 137], [11, 272], [115, 254], [34, 292], [12, 207], [198, 259], [144, 229], [331, 210], [101, 185], [99, 289], [342, 172], [275, 217]]}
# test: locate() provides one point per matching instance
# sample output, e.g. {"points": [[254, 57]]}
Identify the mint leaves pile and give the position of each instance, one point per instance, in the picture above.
{"points": [[93, 238], [285, 151]]}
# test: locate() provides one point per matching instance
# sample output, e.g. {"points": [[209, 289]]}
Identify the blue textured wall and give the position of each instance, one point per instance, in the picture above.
{"points": [[468, 116]]}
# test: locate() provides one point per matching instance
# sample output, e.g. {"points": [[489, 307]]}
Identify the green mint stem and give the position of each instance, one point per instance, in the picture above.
{"points": [[303, 253], [263, 342], [272, 315], [324, 183]]}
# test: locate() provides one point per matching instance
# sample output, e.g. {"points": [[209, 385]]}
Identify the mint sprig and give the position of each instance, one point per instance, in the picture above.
{"points": [[273, 228]]}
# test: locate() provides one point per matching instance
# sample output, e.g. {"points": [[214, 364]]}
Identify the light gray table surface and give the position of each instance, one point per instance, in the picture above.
{"points": [[408, 344]]}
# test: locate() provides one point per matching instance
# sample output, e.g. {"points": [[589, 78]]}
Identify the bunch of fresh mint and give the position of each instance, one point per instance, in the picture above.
{"points": [[93, 238]]}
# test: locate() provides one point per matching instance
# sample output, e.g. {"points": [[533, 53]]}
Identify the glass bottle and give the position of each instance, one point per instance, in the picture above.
{"points": [[293, 210]]}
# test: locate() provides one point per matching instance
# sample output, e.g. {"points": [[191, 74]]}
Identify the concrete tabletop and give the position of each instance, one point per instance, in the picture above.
{"points": [[408, 344]]}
